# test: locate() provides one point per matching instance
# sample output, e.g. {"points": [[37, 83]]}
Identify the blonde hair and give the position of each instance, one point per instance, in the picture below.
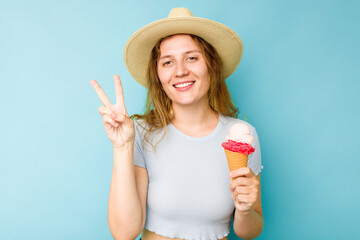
{"points": [[158, 112]]}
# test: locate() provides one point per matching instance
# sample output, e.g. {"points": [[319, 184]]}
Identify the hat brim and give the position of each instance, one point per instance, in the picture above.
{"points": [[138, 48]]}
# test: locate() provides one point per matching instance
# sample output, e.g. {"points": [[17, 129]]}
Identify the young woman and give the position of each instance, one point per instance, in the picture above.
{"points": [[170, 176]]}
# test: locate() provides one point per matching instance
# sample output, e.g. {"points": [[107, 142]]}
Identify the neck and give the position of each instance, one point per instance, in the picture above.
{"points": [[195, 119]]}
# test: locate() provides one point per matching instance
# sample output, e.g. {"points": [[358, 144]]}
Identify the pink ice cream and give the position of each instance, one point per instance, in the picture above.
{"points": [[239, 139]]}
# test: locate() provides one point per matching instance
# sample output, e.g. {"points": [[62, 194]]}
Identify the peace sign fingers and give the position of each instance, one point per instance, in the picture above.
{"points": [[100, 92], [119, 93], [118, 125]]}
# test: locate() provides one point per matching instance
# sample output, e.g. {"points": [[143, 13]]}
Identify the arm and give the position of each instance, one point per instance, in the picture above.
{"points": [[248, 219], [128, 190], [126, 209]]}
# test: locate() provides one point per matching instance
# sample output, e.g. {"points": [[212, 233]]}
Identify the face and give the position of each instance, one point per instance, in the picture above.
{"points": [[182, 70]]}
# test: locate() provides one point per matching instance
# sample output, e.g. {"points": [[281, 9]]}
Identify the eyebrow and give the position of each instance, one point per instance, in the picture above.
{"points": [[187, 52]]}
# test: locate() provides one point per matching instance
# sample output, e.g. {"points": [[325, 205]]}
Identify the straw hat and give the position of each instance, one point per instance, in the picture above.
{"points": [[180, 20]]}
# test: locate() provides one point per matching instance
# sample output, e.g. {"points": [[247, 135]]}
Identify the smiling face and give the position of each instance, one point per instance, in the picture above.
{"points": [[182, 70]]}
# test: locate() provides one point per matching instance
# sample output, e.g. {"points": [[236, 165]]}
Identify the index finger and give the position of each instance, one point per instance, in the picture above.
{"points": [[119, 93], [100, 92], [244, 171]]}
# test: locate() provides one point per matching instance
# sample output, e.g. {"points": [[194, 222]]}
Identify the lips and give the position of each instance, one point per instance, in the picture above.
{"points": [[183, 84]]}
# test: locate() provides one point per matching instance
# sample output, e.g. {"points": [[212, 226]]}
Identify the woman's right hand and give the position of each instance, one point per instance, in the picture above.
{"points": [[118, 126]]}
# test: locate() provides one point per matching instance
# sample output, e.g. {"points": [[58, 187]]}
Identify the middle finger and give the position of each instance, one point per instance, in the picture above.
{"points": [[240, 181], [119, 93]]}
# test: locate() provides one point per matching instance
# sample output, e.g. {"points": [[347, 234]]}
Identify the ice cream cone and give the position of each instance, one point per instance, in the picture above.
{"points": [[236, 160]]}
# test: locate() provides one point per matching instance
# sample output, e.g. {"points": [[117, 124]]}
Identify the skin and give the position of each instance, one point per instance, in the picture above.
{"points": [[118, 126], [181, 61]]}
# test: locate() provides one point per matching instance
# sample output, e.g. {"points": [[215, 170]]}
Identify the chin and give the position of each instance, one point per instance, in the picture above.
{"points": [[186, 102], [183, 103], [189, 99]]}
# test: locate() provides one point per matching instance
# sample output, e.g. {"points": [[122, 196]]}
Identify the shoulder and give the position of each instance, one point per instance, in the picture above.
{"points": [[145, 133], [141, 126], [229, 121], [140, 122]]}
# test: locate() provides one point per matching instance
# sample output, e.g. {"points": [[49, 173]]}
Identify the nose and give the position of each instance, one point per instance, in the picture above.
{"points": [[181, 69]]}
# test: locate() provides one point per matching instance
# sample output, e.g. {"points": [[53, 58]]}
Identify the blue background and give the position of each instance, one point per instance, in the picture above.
{"points": [[298, 84]]}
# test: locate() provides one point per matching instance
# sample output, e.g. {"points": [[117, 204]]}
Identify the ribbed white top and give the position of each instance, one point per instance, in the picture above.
{"points": [[189, 194]]}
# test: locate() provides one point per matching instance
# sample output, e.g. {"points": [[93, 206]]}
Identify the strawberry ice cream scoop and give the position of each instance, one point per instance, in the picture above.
{"points": [[240, 132], [238, 147]]}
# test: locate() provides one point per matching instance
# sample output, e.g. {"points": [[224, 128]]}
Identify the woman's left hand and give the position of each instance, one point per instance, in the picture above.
{"points": [[244, 189]]}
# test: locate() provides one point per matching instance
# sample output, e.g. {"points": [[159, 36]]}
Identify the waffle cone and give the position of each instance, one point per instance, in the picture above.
{"points": [[236, 160]]}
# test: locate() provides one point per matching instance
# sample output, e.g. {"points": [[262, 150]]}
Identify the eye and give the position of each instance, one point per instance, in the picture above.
{"points": [[166, 63], [192, 58]]}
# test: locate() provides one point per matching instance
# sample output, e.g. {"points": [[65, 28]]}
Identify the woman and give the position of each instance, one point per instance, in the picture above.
{"points": [[170, 177]]}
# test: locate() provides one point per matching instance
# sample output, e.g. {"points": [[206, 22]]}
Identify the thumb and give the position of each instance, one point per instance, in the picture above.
{"points": [[120, 117]]}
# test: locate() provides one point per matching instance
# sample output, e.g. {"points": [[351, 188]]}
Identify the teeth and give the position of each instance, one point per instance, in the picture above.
{"points": [[184, 84]]}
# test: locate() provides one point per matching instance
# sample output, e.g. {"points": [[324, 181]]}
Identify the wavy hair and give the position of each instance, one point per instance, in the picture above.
{"points": [[158, 111]]}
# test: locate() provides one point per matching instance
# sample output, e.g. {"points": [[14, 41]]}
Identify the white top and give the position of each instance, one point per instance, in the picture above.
{"points": [[189, 188]]}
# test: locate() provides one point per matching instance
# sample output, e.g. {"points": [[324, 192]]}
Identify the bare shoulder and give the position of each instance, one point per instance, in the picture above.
{"points": [[142, 181]]}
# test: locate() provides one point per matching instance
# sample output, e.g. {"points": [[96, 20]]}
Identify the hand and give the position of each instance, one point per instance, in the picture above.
{"points": [[118, 126], [244, 189]]}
